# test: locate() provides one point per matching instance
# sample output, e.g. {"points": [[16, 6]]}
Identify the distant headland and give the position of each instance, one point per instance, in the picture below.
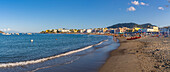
{"points": [[1, 32], [131, 25]]}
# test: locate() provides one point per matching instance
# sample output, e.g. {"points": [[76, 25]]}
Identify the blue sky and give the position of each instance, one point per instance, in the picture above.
{"points": [[38, 15]]}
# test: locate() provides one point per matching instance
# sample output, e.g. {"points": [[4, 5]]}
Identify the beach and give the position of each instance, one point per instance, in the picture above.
{"points": [[149, 54]]}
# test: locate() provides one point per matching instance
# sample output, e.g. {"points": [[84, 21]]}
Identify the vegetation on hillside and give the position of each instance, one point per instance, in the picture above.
{"points": [[131, 25]]}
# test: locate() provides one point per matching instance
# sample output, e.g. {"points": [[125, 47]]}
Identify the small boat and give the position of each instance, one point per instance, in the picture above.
{"points": [[139, 37], [32, 40], [132, 38], [155, 36]]}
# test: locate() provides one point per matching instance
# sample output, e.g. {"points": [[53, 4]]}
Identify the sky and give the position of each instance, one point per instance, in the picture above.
{"points": [[39, 15]]}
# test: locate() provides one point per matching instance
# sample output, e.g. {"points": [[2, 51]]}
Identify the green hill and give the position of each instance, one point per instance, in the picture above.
{"points": [[131, 25]]}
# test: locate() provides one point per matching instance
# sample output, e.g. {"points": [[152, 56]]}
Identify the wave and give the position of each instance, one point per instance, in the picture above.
{"points": [[47, 58], [69, 62]]}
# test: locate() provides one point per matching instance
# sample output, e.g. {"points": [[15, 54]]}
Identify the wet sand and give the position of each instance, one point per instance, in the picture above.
{"points": [[142, 55]]}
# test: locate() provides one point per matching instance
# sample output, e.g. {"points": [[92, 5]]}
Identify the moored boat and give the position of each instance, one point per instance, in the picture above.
{"points": [[132, 38]]}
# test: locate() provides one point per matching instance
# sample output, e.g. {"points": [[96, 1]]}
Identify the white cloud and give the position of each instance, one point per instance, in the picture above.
{"points": [[8, 29], [138, 3], [131, 9], [135, 2], [142, 3], [160, 8], [5, 30]]}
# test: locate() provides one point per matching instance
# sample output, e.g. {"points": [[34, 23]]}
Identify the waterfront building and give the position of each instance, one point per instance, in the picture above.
{"points": [[165, 30], [153, 29], [75, 30], [136, 29], [104, 30], [63, 30], [55, 30], [83, 30], [121, 30], [129, 30], [111, 31], [47, 31], [89, 30]]}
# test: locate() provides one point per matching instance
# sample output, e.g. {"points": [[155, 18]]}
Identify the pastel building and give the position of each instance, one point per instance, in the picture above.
{"points": [[154, 29], [165, 30], [121, 30], [135, 29]]}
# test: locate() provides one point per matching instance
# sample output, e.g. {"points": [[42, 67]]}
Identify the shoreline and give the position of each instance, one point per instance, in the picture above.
{"points": [[142, 55], [117, 60], [94, 57]]}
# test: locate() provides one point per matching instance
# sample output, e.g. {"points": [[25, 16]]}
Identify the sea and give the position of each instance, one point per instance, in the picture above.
{"points": [[54, 52]]}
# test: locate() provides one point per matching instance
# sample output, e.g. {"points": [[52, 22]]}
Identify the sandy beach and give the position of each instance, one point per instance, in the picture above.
{"points": [[149, 54]]}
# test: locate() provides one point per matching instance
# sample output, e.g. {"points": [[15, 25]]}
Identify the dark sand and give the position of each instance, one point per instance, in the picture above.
{"points": [[142, 55]]}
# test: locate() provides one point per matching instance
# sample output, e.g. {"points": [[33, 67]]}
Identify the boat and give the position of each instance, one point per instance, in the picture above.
{"points": [[132, 38]]}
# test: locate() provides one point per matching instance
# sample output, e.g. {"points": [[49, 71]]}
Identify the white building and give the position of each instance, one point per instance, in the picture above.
{"points": [[154, 29], [65, 31], [82, 30], [55, 30], [89, 30], [149, 30]]}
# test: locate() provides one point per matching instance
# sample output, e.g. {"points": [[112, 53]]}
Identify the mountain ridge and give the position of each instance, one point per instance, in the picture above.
{"points": [[131, 25]]}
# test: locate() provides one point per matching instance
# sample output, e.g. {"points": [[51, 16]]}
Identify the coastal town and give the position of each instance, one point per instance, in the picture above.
{"points": [[121, 30]]}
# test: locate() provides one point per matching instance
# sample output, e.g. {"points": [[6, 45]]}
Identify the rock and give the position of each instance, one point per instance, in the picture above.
{"points": [[153, 53], [137, 51], [163, 66], [151, 71], [157, 50], [156, 66]]}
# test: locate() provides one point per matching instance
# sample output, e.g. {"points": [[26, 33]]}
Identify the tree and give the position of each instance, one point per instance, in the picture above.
{"points": [[42, 32]]}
